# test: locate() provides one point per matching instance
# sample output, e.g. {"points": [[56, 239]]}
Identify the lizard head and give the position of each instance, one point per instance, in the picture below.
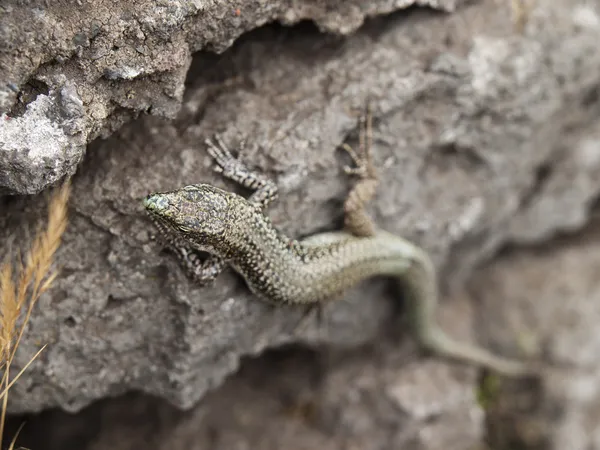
{"points": [[198, 214]]}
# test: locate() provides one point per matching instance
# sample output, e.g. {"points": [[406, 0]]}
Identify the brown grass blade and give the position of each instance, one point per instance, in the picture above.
{"points": [[41, 255], [15, 379], [34, 278], [14, 439]]}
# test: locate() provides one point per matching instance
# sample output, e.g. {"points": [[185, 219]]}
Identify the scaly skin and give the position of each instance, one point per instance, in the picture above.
{"points": [[281, 270]]}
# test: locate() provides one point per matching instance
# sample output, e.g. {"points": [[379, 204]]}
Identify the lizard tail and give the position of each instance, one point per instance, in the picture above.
{"points": [[420, 285]]}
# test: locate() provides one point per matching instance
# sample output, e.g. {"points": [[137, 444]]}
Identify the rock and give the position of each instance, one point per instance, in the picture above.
{"points": [[119, 60], [485, 136]]}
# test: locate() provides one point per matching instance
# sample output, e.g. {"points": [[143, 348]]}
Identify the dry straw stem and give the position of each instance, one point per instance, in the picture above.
{"points": [[32, 279], [521, 10]]}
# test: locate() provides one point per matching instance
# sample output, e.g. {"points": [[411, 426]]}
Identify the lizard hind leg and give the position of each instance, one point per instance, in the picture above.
{"points": [[356, 219], [419, 281]]}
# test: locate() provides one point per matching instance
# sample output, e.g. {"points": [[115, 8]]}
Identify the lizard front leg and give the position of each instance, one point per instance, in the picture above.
{"points": [[204, 270], [265, 189], [200, 270]]}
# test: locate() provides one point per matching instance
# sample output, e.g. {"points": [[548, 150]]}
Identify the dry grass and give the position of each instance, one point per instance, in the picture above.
{"points": [[21, 289], [521, 11]]}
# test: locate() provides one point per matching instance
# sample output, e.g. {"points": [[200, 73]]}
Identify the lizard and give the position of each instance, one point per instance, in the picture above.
{"points": [[236, 232]]}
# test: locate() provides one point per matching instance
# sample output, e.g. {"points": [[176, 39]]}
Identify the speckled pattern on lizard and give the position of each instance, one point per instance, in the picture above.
{"points": [[235, 231]]}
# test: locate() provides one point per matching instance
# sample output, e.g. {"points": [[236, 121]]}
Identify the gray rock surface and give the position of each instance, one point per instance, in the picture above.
{"points": [[374, 397], [43, 145], [119, 59], [551, 294], [290, 399], [485, 137]]}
